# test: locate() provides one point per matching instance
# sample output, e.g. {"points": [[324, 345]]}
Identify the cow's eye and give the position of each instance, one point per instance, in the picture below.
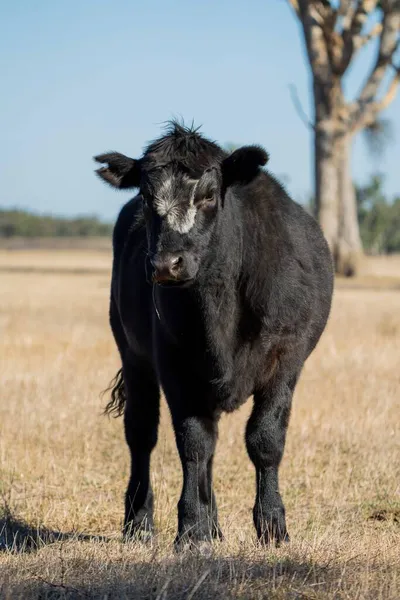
{"points": [[207, 203]]}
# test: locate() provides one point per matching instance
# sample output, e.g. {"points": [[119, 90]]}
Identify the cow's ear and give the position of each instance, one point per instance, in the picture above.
{"points": [[243, 165], [121, 171]]}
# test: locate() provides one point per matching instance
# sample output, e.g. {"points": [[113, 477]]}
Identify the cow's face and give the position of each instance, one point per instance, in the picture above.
{"points": [[180, 213], [180, 210]]}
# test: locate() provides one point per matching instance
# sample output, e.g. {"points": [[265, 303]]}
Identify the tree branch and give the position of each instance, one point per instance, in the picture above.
{"points": [[295, 5], [347, 9], [354, 21], [389, 42], [299, 108], [391, 92], [344, 7], [324, 10], [313, 26], [370, 112], [362, 40]]}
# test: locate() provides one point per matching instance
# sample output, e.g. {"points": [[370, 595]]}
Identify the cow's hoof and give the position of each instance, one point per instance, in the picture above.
{"points": [[272, 529], [137, 533], [274, 536], [277, 540], [191, 546], [217, 534], [204, 548]]}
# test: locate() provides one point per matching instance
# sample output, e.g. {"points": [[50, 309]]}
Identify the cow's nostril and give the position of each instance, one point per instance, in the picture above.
{"points": [[176, 262]]}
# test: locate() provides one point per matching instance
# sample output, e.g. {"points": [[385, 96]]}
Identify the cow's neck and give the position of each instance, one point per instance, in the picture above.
{"points": [[219, 287]]}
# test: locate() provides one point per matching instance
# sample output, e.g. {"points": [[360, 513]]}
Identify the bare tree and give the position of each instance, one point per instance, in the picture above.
{"points": [[334, 32]]}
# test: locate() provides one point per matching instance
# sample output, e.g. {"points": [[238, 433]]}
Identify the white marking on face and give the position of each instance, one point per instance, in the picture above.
{"points": [[179, 217], [164, 201], [182, 223]]}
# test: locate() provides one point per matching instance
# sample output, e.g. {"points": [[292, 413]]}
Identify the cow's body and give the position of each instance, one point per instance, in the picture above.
{"points": [[243, 325]]}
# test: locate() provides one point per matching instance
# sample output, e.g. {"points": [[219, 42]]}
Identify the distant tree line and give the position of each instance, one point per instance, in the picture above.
{"points": [[22, 223], [378, 218]]}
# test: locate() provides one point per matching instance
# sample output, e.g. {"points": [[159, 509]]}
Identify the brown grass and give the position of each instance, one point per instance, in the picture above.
{"points": [[56, 260], [56, 243], [63, 466]]}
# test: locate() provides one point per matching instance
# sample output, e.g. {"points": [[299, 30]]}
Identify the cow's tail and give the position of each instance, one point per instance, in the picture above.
{"points": [[116, 405]]}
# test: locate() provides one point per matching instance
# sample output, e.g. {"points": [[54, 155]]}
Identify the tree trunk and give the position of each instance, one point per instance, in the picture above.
{"points": [[326, 182], [335, 196], [334, 190], [348, 246]]}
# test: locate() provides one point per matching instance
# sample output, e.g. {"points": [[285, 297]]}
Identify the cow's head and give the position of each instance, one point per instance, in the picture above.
{"points": [[180, 206]]}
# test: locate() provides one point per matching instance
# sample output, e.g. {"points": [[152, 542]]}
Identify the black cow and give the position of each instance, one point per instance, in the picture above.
{"points": [[221, 288]]}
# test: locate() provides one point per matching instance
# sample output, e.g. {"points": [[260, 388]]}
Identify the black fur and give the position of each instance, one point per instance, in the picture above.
{"points": [[237, 315]]}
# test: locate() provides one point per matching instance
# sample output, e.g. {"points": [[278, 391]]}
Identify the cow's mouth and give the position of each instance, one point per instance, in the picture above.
{"points": [[174, 283]]}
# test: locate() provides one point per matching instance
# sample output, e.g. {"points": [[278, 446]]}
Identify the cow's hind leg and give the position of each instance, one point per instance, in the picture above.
{"points": [[265, 440], [141, 424]]}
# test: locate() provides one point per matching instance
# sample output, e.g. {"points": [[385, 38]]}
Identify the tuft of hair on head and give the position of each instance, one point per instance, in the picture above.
{"points": [[184, 145], [121, 171], [176, 138], [177, 127]]}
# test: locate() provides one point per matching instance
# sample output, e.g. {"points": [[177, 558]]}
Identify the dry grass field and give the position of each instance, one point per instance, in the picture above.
{"points": [[64, 466]]}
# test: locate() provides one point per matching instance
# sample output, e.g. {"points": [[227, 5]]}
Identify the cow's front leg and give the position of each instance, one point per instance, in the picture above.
{"points": [[197, 511], [265, 439], [195, 422]]}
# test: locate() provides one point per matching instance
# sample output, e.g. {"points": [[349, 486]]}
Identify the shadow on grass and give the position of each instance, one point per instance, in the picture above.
{"points": [[188, 578], [18, 536], [73, 570]]}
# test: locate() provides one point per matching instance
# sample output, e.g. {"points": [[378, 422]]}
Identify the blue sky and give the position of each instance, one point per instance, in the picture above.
{"points": [[82, 77]]}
